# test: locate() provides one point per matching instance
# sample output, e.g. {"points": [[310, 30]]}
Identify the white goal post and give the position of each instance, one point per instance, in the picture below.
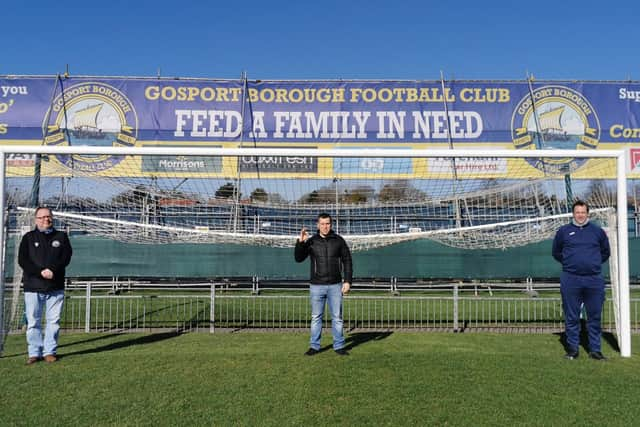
{"points": [[465, 198]]}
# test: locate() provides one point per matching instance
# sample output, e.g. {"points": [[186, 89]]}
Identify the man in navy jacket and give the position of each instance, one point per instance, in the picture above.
{"points": [[582, 247]]}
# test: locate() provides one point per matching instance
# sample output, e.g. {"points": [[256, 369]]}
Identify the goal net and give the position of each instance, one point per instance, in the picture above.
{"points": [[264, 196]]}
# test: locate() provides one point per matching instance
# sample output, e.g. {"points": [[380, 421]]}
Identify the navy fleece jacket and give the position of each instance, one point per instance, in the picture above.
{"points": [[581, 249]]}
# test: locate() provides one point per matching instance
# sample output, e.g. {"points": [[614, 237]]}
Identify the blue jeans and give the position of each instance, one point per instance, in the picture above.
{"points": [[34, 303], [331, 294]]}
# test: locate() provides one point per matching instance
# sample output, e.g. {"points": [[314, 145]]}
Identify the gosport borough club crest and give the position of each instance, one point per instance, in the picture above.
{"points": [[91, 114], [560, 118]]}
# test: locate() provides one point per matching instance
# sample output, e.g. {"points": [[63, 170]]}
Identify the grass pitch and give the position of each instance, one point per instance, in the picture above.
{"points": [[264, 379]]}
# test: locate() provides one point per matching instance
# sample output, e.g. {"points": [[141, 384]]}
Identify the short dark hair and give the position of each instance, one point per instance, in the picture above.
{"points": [[39, 208], [324, 215], [579, 203]]}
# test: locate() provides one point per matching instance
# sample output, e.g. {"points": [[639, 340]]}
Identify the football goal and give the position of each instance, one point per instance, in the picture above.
{"points": [[264, 196]]}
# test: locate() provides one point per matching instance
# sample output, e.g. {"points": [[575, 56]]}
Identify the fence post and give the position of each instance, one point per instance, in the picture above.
{"points": [[212, 310], [455, 308], [87, 309], [394, 286], [255, 285]]}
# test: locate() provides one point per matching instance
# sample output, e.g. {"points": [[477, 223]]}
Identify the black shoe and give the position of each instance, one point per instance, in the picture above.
{"points": [[596, 355], [571, 354], [311, 352], [342, 352]]}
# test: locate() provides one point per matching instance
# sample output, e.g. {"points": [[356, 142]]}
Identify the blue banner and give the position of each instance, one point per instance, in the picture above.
{"points": [[155, 111]]}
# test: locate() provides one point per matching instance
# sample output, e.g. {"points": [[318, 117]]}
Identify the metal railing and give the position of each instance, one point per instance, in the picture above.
{"points": [[459, 308]]}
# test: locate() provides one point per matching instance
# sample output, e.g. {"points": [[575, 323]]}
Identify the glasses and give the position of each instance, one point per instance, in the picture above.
{"points": [[44, 217]]}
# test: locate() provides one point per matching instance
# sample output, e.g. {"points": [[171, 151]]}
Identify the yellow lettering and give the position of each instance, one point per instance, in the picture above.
{"points": [[267, 95], [424, 95], [619, 131], [223, 94], [235, 92], [355, 94], [168, 93], [504, 95], [253, 94], [324, 95], [369, 95], [296, 95], [281, 95], [465, 95], [183, 93], [412, 94], [209, 94], [385, 94], [152, 93], [489, 94], [615, 131], [193, 92], [338, 94]]}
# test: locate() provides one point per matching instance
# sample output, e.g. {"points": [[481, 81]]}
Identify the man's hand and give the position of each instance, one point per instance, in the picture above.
{"points": [[346, 287], [303, 235], [47, 274]]}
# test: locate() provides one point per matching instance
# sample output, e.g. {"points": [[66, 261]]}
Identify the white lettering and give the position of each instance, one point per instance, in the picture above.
{"points": [[13, 90], [208, 123], [395, 122], [623, 93], [257, 129], [181, 164], [181, 120], [324, 124], [433, 124]]}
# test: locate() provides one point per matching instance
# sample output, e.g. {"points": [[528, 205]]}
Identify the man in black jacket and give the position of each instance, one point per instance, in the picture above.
{"points": [[330, 259], [43, 255]]}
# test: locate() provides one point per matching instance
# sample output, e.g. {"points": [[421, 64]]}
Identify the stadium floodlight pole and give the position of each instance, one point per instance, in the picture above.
{"points": [[540, 145], [236, 189], [456, 205], [35, 187], [535, 114], [446, 112], [536, 121]]}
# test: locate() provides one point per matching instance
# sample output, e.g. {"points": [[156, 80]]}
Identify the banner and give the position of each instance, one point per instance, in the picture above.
{"points": [[409, 114]]}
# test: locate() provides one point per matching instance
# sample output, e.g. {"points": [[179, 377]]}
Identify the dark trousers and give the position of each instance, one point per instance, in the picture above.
{"points": [[578, 290]]}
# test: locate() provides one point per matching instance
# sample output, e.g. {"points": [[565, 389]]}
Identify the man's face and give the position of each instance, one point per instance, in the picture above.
{"points": [[324, 226], [44, 219], [580, 214]]}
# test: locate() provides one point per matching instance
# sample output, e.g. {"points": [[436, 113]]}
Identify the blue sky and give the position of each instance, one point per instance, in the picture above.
{"points": [[416, 39]]}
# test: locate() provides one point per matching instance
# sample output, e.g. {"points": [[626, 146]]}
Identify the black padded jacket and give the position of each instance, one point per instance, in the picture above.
{"points": [[330, 258]]}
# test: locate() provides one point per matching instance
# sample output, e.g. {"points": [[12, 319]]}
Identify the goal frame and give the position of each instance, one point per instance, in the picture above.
{"points": [[619, 156]]}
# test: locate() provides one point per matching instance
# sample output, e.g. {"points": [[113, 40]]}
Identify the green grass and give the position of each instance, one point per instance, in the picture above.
{"points": [[263, 379]]}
